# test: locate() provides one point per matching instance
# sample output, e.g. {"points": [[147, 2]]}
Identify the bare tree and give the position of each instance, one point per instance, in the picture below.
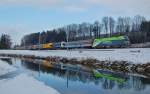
{"points": [[111, 25], [137, 22], [91, 30], [127, 24], [105, 21], [120, 25], [95, 29]]}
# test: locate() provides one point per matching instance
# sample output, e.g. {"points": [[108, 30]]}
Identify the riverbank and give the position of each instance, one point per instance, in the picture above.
{"points": [[121, 60], [134, 55]]}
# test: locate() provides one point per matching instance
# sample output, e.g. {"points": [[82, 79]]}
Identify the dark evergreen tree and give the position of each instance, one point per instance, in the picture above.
{"points": [[5, 42]]}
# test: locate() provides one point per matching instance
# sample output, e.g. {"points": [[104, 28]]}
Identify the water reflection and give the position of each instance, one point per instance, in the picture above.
{"points": [[77, 79], [7, 59], [85, 75], [75, 72]]}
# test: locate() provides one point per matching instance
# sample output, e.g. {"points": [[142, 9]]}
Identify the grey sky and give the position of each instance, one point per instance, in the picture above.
{"points": [[19, 17]]}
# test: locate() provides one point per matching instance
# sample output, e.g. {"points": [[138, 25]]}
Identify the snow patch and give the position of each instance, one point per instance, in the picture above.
{"points": [[5, 68], [135, 55], [24, 84]]}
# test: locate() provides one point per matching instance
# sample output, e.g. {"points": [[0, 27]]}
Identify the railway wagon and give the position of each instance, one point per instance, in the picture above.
{"points": [[57, 45], [41, 46], [112, 42], [73, 44], [77, 44], [34, 47], [19, 48], [47, 46]]}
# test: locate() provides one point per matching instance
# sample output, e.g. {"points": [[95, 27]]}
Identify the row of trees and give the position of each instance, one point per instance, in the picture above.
{"points": [[107, 27], [5, 42], [44, 37]]}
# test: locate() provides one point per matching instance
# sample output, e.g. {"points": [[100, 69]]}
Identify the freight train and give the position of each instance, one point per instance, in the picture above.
{"points": [[111, 42]]}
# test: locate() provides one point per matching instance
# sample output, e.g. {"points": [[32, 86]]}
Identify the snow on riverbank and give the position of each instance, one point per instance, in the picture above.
{"points": [[24, 84], [5, 68], [135, 55]]}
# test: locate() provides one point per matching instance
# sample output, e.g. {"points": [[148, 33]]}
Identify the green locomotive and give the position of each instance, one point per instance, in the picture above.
{"points": [[111, 42]]}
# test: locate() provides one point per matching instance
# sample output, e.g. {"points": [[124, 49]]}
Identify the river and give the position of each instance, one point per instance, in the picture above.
{"points": [[77, 79]]}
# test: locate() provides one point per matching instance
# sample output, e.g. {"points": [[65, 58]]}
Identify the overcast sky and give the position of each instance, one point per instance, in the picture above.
{"points": [[20, 17]]}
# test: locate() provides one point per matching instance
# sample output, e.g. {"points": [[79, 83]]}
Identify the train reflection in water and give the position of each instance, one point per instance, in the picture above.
{"points": [[60, 69]]}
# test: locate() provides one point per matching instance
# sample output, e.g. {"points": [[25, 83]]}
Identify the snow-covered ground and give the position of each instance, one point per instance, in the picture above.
{"points": [[135, 55], [5, 68], [21, 84], [24, 84]]}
